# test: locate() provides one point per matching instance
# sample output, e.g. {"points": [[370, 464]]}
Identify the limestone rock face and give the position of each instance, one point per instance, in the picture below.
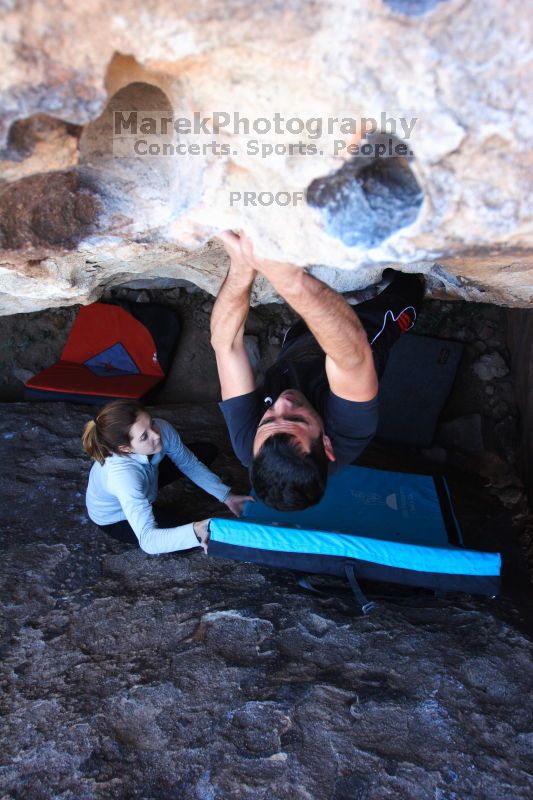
{"points": [[269, 110]]}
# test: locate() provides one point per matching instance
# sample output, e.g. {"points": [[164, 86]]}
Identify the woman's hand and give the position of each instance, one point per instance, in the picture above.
{"points": [[236, 502], [201, 529]]}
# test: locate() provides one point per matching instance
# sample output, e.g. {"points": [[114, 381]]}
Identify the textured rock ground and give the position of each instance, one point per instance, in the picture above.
{"points": [[457, 207], [128, 676]]}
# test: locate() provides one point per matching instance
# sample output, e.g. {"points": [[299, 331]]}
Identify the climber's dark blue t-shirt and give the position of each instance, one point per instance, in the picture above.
{"points": [[349, 425]]}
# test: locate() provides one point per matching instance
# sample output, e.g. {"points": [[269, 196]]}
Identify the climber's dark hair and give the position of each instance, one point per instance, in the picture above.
{"points": [[286, 479]]}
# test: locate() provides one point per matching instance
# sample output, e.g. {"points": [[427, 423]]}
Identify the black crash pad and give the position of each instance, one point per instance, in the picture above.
{"points": [[414, 388]]}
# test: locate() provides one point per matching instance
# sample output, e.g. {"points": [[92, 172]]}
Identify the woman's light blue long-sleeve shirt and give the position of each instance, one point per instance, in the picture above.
{"points": [[124, 488]]}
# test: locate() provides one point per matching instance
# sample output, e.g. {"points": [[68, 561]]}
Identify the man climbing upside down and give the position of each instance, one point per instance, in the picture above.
{"points": [[318, 408]]}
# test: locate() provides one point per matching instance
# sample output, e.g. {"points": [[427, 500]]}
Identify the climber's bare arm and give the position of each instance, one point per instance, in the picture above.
{"points": [[349, 362], [227, 328]]}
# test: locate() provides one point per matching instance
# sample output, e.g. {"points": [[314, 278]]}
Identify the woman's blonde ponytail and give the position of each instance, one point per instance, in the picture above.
{"points": [[92, 444], [110, 431]]}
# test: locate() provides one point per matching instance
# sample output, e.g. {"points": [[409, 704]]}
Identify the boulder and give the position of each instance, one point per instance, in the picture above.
{"points": [[270, 110]]}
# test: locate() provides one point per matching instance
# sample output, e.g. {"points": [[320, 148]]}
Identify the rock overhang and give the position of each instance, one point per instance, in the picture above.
{"points": [[448, 80]]}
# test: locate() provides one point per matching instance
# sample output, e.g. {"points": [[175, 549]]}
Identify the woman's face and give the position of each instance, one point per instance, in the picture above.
{"points": [[145, 437]]}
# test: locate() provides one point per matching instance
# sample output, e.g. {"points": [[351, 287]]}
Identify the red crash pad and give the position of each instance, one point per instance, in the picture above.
{"points": [[108, 354]]}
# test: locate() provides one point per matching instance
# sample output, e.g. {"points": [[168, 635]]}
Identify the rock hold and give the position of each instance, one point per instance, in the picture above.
{"points": [[490, 366]]}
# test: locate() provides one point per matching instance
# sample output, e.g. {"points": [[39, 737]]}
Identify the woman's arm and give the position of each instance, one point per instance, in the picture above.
{"points": [[129, 490], [198, 473], [169, 540], [191, 466]]}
